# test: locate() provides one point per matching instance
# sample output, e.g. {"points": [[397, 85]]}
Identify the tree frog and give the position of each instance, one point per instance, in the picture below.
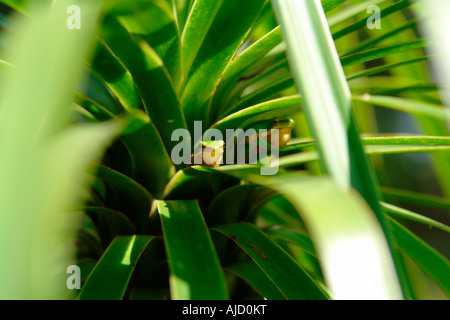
{"points": [[264, 139], [284, 126], [211, 153]]}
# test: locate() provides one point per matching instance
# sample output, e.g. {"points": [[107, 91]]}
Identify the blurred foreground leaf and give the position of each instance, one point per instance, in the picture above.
{"points": [[43, 161]]}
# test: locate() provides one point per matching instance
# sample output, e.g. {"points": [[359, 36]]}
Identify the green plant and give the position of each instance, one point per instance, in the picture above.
{"points": [[155, 230]]}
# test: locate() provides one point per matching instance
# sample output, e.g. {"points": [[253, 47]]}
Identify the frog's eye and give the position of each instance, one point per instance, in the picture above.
{"points": [[275, 122]]}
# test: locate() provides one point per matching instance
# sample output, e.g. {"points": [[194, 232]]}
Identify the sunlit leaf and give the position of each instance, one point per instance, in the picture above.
{"points": [[195, 271], [39, 154], [110, 278], [207, 50]]}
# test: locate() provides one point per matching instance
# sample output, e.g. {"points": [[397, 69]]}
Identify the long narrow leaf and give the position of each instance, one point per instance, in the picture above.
{"points": [[372, 42], [384, 68], [378, 53], [292, 281], [267, 110], [195, 271], [241, 63], [40, 155], [251, 273], [331, 4], [363, 22], [294, 237], [110, 278], [152, 164], [412, 216], [348, 239], [327, 100], [416, 197], [320, 80], [127, 195], [431, 261], [151, 78], [351, 11], [406, 105], [207, 50]]}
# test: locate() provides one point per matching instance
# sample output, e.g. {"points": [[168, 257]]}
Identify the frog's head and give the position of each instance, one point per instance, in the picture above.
{"points": [[281, 123]]}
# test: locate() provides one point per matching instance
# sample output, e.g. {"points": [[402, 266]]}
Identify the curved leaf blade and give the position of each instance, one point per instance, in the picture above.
{"points": [[387, 67], [116, 77], [343, 225], [182, 185], [242, 63], [412, 216], [295, 237], [40, 154], [262, 95], [321, 82], [111, 276], [431, 261], [363, 22], [127, 196], [110, 223], [372, 42], [328, 106], [290, 278], [236, 204], [253, 275], [350, 11], [152, 164], [406, 105], [331, 4], [151, 78], [155, 23], [266, 110], [195, 271], [208, 50], [378, 53], [416, 197]]}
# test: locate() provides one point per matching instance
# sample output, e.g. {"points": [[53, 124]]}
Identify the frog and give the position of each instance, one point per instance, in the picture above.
{"points": [[264, 136], [284, 125], [212, 152]]}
